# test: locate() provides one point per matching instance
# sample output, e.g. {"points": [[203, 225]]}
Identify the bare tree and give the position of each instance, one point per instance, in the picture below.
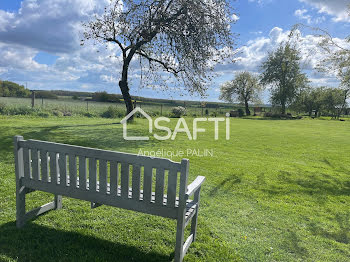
{"points": [[181, 37]]}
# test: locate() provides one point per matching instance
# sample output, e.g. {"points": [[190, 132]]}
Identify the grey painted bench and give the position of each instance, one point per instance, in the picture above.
{"points": [[102, 178]]}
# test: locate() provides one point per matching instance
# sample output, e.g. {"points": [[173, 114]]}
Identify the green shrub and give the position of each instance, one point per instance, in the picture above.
{"points": [[22, 110], [113, 112], [43, 114], [57, 113], [240, 112], [178, 111], [88, 114], [3, 108]]}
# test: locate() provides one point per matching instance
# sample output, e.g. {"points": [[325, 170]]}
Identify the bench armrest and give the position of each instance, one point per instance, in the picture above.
{"points": [[195, 185]]}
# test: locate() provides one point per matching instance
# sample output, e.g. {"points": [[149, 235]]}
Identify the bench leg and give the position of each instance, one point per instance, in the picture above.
{"points": [[58, 202], [179, 240], [20, 206], [195, 217], [22, 216]]}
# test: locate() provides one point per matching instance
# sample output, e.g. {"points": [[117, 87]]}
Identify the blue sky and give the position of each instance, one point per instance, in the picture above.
{"points": [[40, 43]]}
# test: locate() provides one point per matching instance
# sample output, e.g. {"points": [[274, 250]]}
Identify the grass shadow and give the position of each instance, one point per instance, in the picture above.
{"points": [[80, 134], [342, 235], [292, 244], [226, 183], [39, 243], [307, 182]]}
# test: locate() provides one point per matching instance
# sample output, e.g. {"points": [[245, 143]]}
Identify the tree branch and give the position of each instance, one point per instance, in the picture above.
{"points": [[164, 64]]}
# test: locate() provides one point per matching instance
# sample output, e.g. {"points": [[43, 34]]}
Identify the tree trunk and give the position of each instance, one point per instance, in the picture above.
{"points": [[247, 111], [283, 109], [124, 88], [126, 96]]}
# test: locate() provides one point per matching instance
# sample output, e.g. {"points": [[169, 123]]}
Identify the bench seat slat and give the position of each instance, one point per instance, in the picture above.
{"points": [[130, 204], [191, 205]]}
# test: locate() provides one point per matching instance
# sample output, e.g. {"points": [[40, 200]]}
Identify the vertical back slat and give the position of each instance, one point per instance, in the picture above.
{"points": [[136, 178], [92, 174], [82, 172], [44, 170], [53, 167], [103, 176], [172, 182], [159, 194], [35, 164], [124, 180], [113, 178], [147, 186], [183, 182], [62, 163], [26, 160], [72, 170]]}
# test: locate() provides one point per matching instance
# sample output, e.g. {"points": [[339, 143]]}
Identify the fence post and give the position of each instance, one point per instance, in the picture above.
{"points": [[42, 102], [161, 109], [33, 99], [87, 106]]}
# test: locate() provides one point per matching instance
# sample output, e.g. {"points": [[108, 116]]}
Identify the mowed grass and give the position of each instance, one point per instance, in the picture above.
{"points": [[276, 191]]}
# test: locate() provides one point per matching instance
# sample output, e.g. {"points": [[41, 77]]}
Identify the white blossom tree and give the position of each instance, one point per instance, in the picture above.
{"points": [[181, 37]]}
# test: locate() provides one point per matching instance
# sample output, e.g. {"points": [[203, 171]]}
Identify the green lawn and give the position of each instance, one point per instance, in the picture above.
{"points": [[277, 191]]}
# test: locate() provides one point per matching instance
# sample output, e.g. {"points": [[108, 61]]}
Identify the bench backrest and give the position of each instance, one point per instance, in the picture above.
{"points": [[126, 180]]}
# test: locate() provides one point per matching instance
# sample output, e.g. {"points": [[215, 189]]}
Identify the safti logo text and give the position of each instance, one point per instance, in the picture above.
{"points": [[181, 127]]}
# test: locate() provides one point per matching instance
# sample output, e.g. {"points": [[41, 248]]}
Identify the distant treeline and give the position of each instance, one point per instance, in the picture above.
{"points": [[11, 89]]}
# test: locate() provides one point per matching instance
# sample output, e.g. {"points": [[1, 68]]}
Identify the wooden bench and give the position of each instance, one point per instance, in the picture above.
{"points": [[102, 178]]}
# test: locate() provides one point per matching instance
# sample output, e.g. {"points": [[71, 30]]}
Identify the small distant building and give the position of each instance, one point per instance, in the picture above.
{"points": [[234, 113], [258, 111]]}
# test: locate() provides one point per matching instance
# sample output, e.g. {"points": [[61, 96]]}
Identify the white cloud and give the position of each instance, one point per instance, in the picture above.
{"points": [[256, 51], [260, 2], [13, 56], [235, 17], [303, 15], [336, 8], [49, 25]]}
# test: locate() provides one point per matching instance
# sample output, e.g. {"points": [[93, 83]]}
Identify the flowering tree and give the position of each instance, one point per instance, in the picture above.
{"points": [[181, 37]]}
